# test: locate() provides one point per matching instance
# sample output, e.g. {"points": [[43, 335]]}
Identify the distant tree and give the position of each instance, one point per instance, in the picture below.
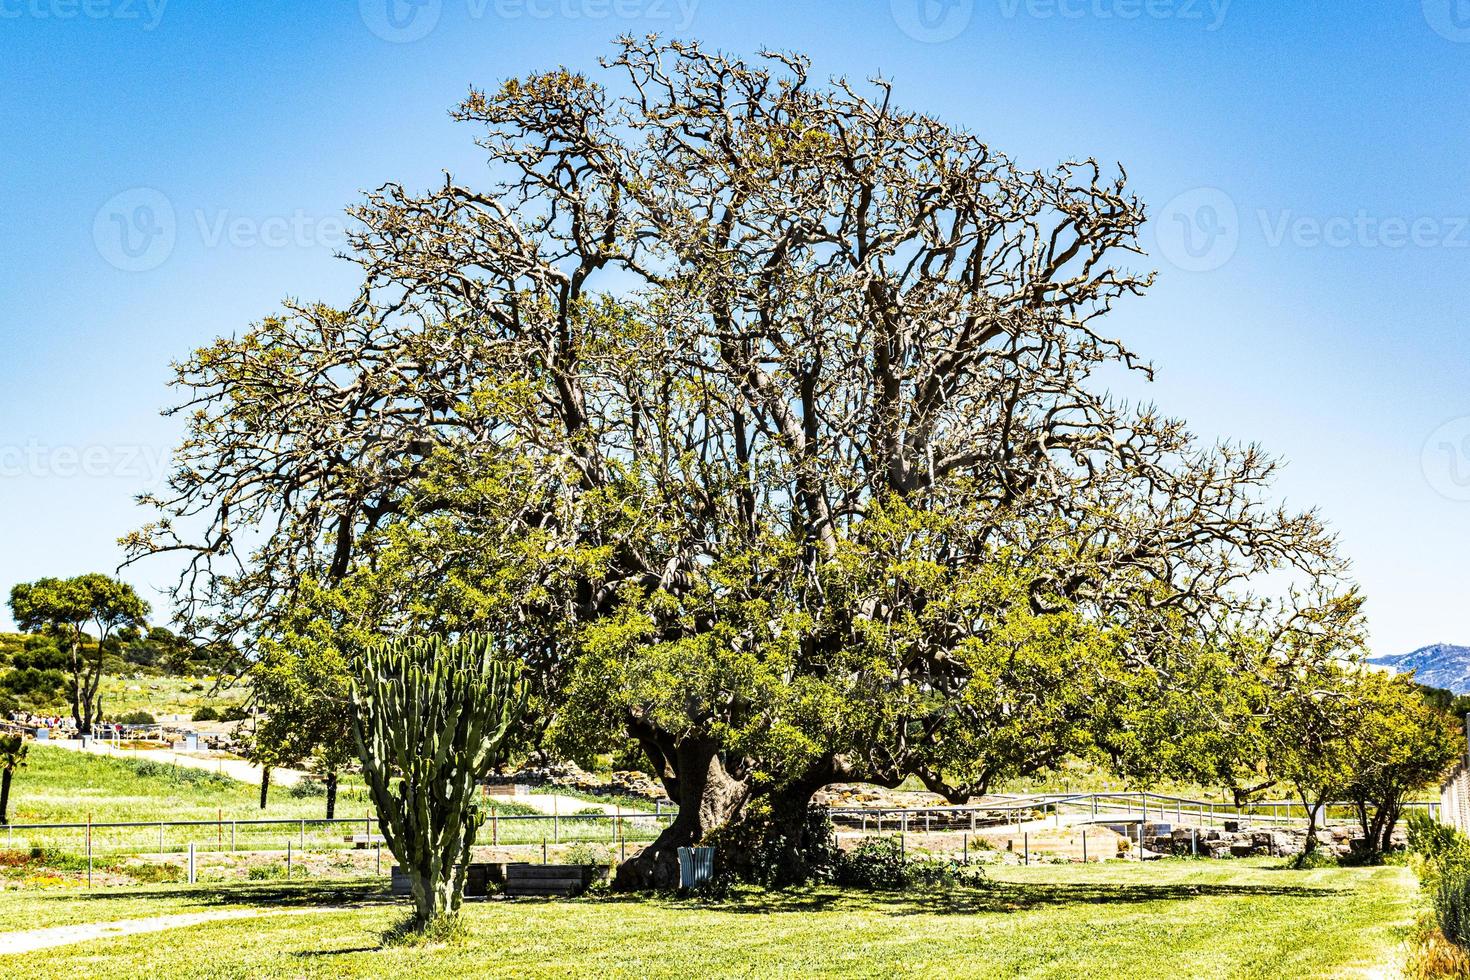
{"points": [[301, 682], [1449, 702], [13, 750], [64, 608], [37, 672]]}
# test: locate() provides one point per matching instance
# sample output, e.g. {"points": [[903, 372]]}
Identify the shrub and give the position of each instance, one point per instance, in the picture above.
{"points": [[137, 718], [583, 853], [1452, 907], [151, 874], [178, 775], [1439, 850], [206, 713], [760, 849], [308, 788], [879, 864]]}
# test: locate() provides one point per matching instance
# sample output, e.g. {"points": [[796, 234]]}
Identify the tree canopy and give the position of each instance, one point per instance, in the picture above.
{"points": [[768, 424], [65, 609]]}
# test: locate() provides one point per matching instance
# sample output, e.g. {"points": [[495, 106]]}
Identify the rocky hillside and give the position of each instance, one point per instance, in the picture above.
{"points": [[1441, 665]]}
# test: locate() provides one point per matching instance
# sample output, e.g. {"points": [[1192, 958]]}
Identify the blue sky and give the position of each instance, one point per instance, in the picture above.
{"points": [[172, 169]]}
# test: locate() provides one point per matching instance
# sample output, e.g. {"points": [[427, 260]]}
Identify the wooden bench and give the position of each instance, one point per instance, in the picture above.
{"points": [[507, 789], [360, 841], [547, 880]]}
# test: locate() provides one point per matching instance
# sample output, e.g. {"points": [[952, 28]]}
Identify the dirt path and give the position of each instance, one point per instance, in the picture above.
{"points": [[30, 940]]}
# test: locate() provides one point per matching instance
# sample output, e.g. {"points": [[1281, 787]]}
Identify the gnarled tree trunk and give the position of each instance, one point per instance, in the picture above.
{"points": [[708, 796]]}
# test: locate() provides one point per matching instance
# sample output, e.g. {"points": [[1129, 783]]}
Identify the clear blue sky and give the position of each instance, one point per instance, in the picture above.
{"points": [[171, 169]]}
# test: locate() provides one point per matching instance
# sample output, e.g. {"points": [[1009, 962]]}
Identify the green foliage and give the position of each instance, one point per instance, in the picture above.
{"points": [[136, 718], [585, 853], [774, 850], [428, 716], [178, 775], [62, 609], [206, 713], [1401, 744], [148, 873], [443, 929], [308, 788], [879, 864], [1440, 852], [1452, 907]]}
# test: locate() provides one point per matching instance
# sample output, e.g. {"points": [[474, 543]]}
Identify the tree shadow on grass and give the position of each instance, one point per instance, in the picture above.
{"points": [[993, 897], [261, 895]]}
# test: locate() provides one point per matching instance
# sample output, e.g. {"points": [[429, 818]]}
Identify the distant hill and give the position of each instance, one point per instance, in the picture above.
{"points": [[1441, 665]]}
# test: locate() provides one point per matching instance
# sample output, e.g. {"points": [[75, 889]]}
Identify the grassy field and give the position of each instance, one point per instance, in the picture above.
{"points": [[163, 696], [58, 785], [1167, 919]]}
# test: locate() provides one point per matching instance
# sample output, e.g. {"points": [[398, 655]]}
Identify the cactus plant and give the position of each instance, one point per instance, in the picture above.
{"points": [[428, 717]]}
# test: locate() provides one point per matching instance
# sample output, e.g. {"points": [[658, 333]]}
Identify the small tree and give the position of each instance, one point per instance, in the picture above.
{"points": [[64, 608], [1402, 744], [13, 751], [1309, 735], [301, 682], [428, 716]]}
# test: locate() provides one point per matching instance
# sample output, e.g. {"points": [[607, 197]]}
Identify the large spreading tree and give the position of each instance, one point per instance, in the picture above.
{"points": [[767, 423]]}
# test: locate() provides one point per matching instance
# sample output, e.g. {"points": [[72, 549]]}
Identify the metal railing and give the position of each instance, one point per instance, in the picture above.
{"points": [[1108, 807], [352, 844]]}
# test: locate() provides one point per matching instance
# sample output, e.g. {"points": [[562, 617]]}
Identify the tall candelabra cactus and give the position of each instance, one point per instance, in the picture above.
{"points": [[428, 717]]}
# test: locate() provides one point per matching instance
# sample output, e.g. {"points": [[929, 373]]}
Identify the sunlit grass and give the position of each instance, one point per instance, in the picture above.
{"points": [[1171, 918]]}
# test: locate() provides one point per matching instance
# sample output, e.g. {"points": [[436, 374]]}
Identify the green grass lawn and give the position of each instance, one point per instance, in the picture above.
{"points": [[61, 786], [1165, 919]]}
